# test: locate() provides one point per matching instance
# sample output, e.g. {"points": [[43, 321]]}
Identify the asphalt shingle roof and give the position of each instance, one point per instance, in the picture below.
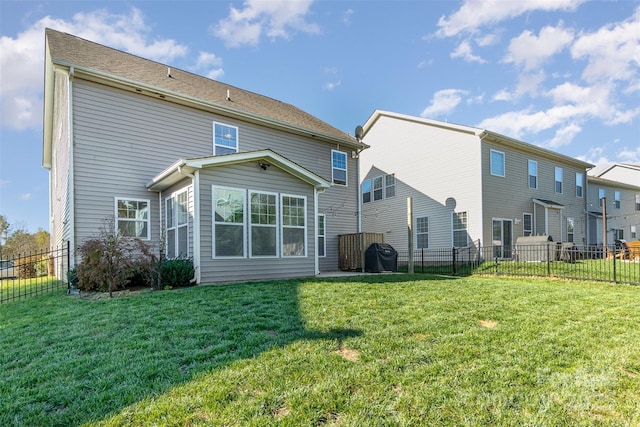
{"points": [[67, 49]]}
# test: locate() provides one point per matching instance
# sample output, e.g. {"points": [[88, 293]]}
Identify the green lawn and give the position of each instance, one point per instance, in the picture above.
{"points": [[370, 350], [13, 289]]}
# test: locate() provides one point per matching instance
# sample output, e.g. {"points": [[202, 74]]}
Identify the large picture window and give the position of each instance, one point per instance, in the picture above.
{"points": [[497, 163], [294, 229], [132, 218], [228, 223], [264, 224], [177, 225], [225, 139], [339, 167]]}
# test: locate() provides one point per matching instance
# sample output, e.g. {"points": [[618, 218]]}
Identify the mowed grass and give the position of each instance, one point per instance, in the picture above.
{"points": [[368, 350]]}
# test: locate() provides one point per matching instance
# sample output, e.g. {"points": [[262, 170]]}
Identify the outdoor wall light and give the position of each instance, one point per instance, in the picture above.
{"points": [[264, 166]]}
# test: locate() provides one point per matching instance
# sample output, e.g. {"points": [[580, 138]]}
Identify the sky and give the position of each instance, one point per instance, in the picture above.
{"points": [[560, 74]]}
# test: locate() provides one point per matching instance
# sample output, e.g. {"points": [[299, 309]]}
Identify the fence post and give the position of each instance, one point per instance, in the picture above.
{"points": [[495, 255], [548, 260], [453, 257], [66, 274], [422, 260], [615, 253]]}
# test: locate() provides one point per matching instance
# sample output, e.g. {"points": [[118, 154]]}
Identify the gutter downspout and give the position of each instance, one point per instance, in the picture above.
{"points": [[195, 181], [71, 178], [316, 259]]}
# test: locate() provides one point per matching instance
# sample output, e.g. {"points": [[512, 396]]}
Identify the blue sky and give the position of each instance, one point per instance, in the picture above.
{"points": [[561, 74]]}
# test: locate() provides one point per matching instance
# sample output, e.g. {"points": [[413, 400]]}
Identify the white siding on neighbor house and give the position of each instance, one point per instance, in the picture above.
{"points": [[622, 218], [509, 197], [250, 176], [626, 174], [60, 182], [441, 164], [122, 140]]}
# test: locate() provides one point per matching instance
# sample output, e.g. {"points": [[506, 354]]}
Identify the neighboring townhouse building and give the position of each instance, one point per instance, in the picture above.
{"points": [[622, 210], [469, 186], [247, 186], [626, 173]]}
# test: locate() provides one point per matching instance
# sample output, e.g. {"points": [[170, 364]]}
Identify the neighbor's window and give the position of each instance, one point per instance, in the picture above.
{"points": [[533, 174], [638, 202], [570, 224], [618, 234], [527, 224], [460, 236], [377, 188], [558, 175], [132, 218], [176, 225], [264, 224], [422, 232], [579, 184], [390, 186], [322, 233], [228, 222], [497, 163], [616, 200], [366, 191], [294, 229], [225, 139], [634, 234], [601, 195], [339, 167]]}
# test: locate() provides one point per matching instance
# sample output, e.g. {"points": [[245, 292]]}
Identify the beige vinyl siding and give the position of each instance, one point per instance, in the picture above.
{"points": [[250, 176], [434, 165], [122, 140], [60, 203], [509, 197]]}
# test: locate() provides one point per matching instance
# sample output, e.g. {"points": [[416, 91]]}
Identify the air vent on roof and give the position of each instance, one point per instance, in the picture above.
{"points": [[228, 95], [169, 73]]}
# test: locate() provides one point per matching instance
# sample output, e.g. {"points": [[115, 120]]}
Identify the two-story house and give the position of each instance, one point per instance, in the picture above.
{"points": [[468, 186], [247, 186], [622, 208]]}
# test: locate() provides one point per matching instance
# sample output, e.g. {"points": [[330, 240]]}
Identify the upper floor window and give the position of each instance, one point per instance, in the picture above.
{"points": [[558, 175], [638, 202], [634, 235], [497, 163], [601, 195], [579, 184], [339, 167], [390, 186], [533, 174], [132, 218], [377, 188], [366, 191], [527, 224], [618, 234], [225, 139], [460, 235], [616, 199], [422, 232]]}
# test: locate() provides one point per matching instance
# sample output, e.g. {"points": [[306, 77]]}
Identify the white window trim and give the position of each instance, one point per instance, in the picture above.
{"points": [[373, 188], [324, 236], [173, 198], [453, 230], [370, 192], [580, 186], [602, 194], [555, 180], [418, 233], [529, 175], [616, 199], [213, 221], [504, 163], [346, 169], [250, 224], [304, 228], [223, 146], [386, 186], [573, 233], [523, 223], [132, 199]]}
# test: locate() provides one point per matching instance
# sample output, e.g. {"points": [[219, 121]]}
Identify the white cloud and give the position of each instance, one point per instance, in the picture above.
{"points": [[504, 95], [474, 14], [564, 135], [333, 73], [612, 52], [443, 102], [531, 52], [487, 40], [346, 16], [629, 155], [22, 57], [332, 85], [595, 156], [464, 51], [209, 65], [529, 83], [275, 18], [25, 196]]}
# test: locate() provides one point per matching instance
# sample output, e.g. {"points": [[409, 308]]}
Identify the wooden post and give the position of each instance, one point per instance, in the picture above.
{"points": [[410, 232]]}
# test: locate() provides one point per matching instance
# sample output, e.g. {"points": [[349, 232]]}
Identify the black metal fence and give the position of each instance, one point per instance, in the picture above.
{"points": [[34, 273], [615, 263]]}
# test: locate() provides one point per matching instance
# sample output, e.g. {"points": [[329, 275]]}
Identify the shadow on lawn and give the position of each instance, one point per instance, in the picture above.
{"points": [[82, 361]]}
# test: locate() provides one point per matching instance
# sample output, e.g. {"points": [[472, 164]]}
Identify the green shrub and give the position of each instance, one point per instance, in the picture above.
{"points": [[72, 278], [174, 273]]}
